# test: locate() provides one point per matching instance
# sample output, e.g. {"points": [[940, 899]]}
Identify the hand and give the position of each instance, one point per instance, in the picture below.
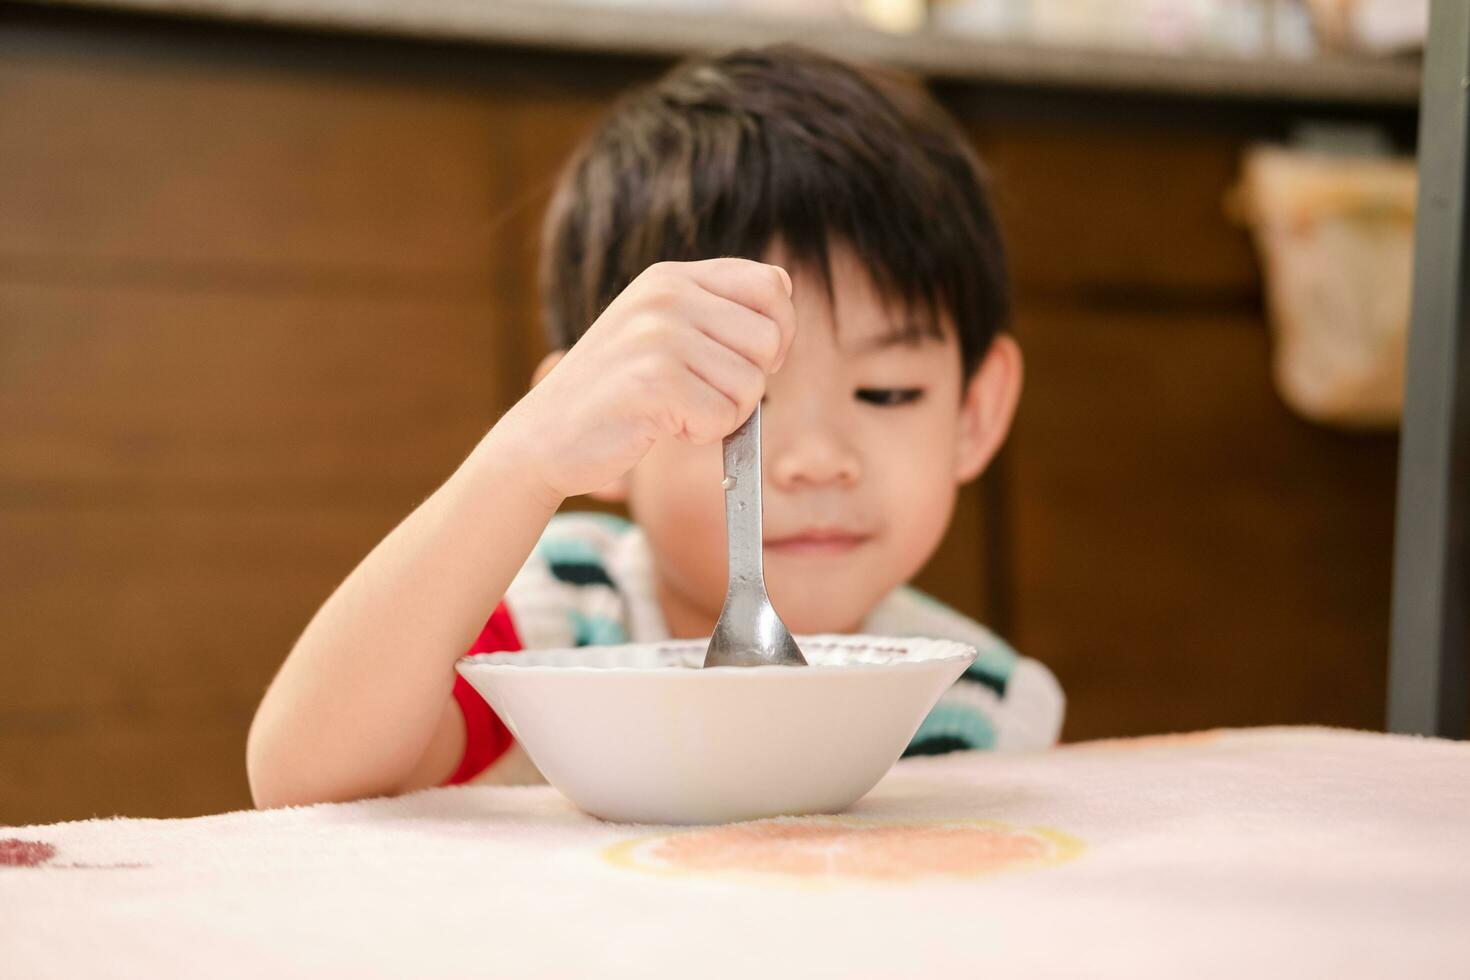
{"points": [[683, 352]]}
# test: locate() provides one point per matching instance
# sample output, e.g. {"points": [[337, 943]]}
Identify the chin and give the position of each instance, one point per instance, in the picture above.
{"points": [[808, 627], [815, 614]]}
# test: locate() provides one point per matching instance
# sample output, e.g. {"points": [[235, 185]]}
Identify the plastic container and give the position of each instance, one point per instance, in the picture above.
{"points": [[1335, 236]]}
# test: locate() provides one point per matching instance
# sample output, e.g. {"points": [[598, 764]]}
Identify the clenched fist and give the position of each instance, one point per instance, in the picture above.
{"points": [[683, 352]]}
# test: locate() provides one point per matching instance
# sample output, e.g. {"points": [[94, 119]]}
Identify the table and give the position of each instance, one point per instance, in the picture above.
{"points": [[1260, 852]]}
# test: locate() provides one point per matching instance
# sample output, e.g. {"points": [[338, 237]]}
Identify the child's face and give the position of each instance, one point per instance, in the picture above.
{"points": [[865, 444]]}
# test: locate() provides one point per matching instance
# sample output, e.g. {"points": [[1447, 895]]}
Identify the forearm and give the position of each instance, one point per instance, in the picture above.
{"points": [[363, 693]]}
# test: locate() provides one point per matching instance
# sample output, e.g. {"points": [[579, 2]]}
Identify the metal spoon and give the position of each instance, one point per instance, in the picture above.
{"points": [[748, 633]]}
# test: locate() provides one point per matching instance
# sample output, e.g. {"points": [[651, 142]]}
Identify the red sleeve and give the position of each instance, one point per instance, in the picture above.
{"points": [[486, 737]]}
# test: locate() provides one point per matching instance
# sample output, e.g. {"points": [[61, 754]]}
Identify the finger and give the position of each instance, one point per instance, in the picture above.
{"points": [[753, 336], [759, 286], [728, 372], [701, 413], [786, 280], [678, 401]]}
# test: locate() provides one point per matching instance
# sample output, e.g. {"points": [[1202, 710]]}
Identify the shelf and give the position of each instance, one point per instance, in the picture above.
{"points": [[675, 32]]}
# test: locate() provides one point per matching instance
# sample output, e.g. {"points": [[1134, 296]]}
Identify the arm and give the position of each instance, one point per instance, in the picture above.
{"points": [[362, 705]]}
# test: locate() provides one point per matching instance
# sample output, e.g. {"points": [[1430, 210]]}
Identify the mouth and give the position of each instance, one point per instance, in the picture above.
{"points": [[818, 542]]}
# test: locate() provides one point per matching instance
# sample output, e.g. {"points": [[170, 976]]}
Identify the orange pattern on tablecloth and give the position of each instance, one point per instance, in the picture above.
{"points": [[1141, 743], [820, 848]]}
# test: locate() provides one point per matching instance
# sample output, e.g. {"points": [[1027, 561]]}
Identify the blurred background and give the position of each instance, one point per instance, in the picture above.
{"points": [[267, 273]]}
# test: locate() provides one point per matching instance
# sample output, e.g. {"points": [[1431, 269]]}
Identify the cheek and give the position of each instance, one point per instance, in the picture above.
{"points": [[676, 499], [916, 479], [923, 522]]}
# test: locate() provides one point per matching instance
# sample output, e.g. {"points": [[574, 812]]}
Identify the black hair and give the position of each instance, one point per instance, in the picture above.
{"points": [[725, 155]]}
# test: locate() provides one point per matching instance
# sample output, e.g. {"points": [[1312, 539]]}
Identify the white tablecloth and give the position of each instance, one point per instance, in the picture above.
{"points": [[1255, 853]]}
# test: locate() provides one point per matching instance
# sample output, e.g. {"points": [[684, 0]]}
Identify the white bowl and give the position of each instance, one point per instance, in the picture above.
{"points": [[641, 733]]}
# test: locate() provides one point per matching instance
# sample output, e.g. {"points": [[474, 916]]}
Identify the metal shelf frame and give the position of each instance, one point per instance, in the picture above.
{"points": [[1428, 685]]}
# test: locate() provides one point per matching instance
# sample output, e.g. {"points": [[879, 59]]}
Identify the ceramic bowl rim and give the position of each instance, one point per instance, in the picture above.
{"points": [[932, 651]]}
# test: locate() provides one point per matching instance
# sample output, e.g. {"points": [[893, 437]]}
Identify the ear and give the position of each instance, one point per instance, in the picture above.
{"points": [[615, 492], [988, 406], [544, 368]]}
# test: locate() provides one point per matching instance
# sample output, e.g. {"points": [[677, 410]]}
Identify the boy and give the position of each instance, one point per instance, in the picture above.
{"points": [[768, 226]]}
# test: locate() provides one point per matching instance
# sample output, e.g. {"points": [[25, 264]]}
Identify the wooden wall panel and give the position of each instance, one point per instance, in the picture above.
{"points": [[1188, 553], [239, 170], [1104, 209], [140, 637], [548, 127], [164, 600], [176, 391], [155, 764], [957, 574], [1184, 551]]}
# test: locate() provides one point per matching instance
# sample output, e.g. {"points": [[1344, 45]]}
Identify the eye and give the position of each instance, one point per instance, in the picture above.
{"points": [[889, 397]]}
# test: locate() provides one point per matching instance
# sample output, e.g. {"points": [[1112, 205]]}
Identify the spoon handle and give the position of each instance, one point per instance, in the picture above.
{"points": [[748, 632], [743, 505]]}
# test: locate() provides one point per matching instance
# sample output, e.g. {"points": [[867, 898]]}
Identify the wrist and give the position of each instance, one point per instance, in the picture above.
{"points": [[511, 456]]}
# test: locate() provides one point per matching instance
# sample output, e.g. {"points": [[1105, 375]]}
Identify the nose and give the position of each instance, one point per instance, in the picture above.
{"points": [[808, 449]]}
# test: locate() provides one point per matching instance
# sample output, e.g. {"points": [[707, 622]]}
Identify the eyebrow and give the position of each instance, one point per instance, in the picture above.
{"points": [[908, 334]]}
